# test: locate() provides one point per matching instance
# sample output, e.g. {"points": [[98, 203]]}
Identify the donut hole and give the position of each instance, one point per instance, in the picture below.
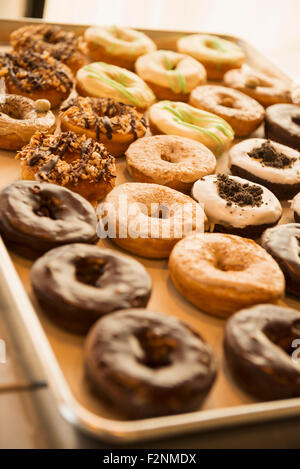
{"points": [[154, 350], [13, 111], [283, 337], [166, 157], [89, 271], [215, 44], [47, 207], [160, 211], [296, 120], [226, 265], [228, 101]]}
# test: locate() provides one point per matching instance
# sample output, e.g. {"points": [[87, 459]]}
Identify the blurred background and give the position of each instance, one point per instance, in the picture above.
{"points": [[271, 25]]}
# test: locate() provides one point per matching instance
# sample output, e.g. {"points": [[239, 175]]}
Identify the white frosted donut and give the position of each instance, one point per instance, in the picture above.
{"points": [[171, 75], [103, 80], [216, 54], [175, 118]]}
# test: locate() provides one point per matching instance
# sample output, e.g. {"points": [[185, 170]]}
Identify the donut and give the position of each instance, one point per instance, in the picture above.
{"points": [[282, 124], [148, 364], [103, 80], [265, 89], [78, 283], [243, 113], [36, 76], [174, 118], [73, 161], [275, 166], [149, 219], [168, 160], [237, 206], [221, 273], [20, 118], [283, 243], [169, 74], [62, 45], [296, 207], [216, 54], [258, 348], [36, 217], [117, 45], [114, 124]]}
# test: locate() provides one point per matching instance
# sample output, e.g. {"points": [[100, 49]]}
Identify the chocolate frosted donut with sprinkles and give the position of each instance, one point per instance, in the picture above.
{"points": [[110, 122]]}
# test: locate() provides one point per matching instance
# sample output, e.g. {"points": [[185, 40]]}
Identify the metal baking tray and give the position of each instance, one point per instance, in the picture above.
{"points": [[56, 355]]}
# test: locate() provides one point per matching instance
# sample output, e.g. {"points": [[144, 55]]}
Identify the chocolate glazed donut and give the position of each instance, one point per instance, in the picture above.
{"points": [[258, 347], [77, 284], [148, 364], [38, 216], [283, 243], [282, 124]]}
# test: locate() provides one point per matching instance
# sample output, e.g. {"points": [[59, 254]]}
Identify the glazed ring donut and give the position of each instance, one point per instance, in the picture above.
{"points": [[73, 161], [150, 218], [243, 113], [283, 243], [108, 81], [20, 118], [151, 364], [275, 166], [172, 118], [282, 124], [176, 162], [36, 217], [258, 348], [221, 273], [62, 45], [216, 54], [117, 45], [36, 76], [79, 283], [263, 88], [296, 208], [114, 124], [169, 74]]}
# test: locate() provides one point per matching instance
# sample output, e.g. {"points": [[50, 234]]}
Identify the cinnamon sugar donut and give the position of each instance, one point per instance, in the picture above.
{"points": [[73, 161], [221, 273], [169, 160], [62, 45], [243, 113], [36, 76], [114, 124]]}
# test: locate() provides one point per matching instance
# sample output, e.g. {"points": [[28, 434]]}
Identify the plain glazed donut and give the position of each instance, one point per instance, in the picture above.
{"points": [[169, 74], [216, 54], [258, 347], [221, 273], [149, 219], [73, 161], [114, 124], [282, 124], [176, 162], [243, 113], [172, 118], [263, 88], [103, 80], [20, 118], [148, 364], [36, 217], [79, 283], [117, 45]]}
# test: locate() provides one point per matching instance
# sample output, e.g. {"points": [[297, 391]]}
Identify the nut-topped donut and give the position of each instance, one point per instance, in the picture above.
{"points": [[103, 80], [38, 216], [36, 76], [74, 161], [283, 243], [296, 207], [110, 122], [216, 54], [221, 273], [174, 118], [172, 161], [235, 205], [62, 45], [243, 113], [20, 118], [169, 74], [79, 283], [258, 347], [282, 124], [148, 364], [117, 45], [275, 166]]}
